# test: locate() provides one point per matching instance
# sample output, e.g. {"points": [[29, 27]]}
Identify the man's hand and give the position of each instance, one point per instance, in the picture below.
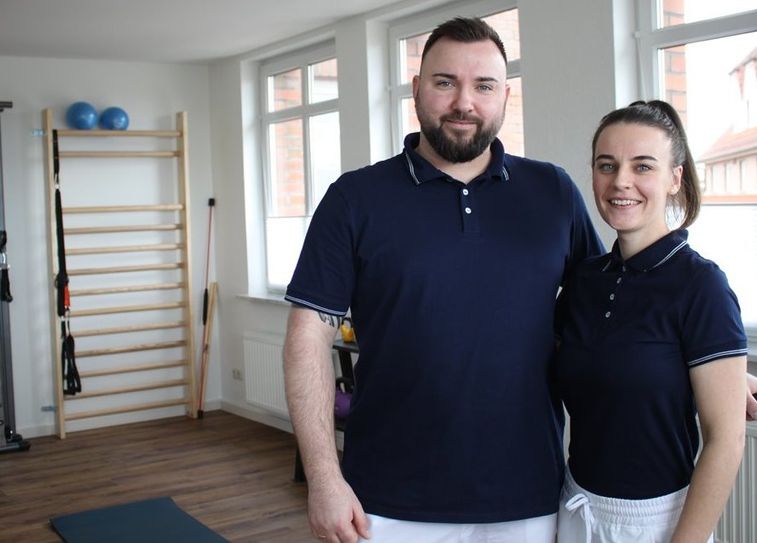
{"points": [[335, 513], [751, 400]]}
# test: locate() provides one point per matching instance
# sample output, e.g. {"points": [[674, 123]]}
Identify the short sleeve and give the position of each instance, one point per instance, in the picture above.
{"points": [[712, 326], [325, 273], [584, 240]]}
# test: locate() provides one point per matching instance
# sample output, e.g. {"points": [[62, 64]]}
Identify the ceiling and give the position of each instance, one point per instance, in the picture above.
{"points": [[197, 31]]}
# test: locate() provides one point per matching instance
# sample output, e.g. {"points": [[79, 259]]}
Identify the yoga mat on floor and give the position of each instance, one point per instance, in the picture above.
{"points": [[158, 520]]}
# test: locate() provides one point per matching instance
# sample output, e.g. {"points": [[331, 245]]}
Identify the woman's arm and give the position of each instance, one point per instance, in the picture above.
{"points": [[751, 397], [718, 389]]}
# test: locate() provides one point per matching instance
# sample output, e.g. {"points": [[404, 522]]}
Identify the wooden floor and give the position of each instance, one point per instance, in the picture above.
{"points": [[231, 474]]}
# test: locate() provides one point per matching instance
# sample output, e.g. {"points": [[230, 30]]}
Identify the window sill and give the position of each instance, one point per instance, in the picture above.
{"points": [[273, 298]]}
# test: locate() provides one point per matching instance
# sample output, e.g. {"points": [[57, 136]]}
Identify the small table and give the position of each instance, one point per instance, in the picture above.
{"points": [[345, 350]]}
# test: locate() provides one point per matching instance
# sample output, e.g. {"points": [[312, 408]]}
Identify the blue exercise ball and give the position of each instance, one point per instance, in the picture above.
{"points": [[81, 115], [114, 118]]}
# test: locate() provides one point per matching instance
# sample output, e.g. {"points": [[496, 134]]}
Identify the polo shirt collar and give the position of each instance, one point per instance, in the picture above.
{"points": [[421, 170], [653, 256]]}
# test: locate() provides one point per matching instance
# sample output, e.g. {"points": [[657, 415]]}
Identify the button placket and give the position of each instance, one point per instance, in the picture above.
{"points": [[613, 295], [470, 222]]}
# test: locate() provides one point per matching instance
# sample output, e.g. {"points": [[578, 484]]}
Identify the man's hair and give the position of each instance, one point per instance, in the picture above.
{"points": [[465, 30]]}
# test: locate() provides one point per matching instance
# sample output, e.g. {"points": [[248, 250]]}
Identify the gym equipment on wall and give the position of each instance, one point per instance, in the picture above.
{"points": [[9, 439], [131, 357]]}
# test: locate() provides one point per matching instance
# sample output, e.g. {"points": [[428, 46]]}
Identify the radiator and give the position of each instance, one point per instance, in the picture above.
{"points": [[264, 373], [738, 524]]}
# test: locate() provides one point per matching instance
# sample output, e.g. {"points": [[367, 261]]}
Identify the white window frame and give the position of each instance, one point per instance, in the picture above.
{"points": [[651, 39], [420, 24], [301, 59]]}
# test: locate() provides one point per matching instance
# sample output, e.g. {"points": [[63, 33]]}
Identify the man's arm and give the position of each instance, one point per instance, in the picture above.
{"points": [[333, 509]]}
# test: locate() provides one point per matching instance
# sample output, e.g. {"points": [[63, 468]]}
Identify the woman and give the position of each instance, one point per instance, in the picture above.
{"points": [[650, 335]]}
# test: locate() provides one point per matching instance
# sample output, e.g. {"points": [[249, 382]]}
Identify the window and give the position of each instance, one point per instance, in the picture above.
{"points": [[702, 58], [300, 123], [407, 41]]}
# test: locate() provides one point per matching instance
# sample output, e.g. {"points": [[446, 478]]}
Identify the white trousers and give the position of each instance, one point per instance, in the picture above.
{"points": [[589, 518], [532, 530]]}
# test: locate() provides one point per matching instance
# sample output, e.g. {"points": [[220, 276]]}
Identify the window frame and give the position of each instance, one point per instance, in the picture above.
{"points": [[651, 38], [420, 24], [302, 59]]}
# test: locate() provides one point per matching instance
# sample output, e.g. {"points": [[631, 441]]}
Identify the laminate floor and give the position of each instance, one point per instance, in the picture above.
{"points": [[230, 473]]}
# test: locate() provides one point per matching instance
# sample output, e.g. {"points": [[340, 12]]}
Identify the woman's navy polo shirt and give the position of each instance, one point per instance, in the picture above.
{"points": [[631, 331], [452, 291]]}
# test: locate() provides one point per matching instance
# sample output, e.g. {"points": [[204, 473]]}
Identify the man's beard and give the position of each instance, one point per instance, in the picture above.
{"points": [[451, 149]]}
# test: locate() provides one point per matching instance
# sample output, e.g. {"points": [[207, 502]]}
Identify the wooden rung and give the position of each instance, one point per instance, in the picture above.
{"points": [[129, 329], [118, 154], [125, 409], [119, 133], [129, 388], [121, 229], [123, 209], [131, 349], [126, 309], [126, 269], [122, 290], [125, 249], [133, 368]]}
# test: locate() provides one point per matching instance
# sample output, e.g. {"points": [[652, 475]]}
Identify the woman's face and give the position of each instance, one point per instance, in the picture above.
{"points": [[633, 176]]}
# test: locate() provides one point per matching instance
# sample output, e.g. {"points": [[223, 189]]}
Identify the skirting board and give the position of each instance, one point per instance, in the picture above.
{"points": [[44, 430]]}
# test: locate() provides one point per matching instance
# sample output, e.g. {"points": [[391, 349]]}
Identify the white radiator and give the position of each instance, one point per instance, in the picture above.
{"points": [[264, 373], [738, 524]]}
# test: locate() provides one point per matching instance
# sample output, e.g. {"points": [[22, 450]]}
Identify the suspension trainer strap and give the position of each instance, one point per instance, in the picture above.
{"points": [[5, 283], [71, 379], [61, 280]]}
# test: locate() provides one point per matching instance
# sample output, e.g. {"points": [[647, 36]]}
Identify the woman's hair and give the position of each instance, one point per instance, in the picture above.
{"points": [[661, 115], [464, 30]]}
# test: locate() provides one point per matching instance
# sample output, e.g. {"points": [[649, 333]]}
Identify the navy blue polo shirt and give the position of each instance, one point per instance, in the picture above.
{"points": [[631, 331], [452, 291]]}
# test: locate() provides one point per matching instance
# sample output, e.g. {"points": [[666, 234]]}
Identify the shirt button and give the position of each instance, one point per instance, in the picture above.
{"points": [[465, 192], [623, 268], [607, 315], [468, 210], [619, 280], [612, 296]]}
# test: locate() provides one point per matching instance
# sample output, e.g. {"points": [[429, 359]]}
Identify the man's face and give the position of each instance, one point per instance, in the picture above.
{"points": [[460, 98]]}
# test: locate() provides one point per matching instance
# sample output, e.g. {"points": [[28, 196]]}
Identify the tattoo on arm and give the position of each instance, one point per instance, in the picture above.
{"points": [[331, 320]]}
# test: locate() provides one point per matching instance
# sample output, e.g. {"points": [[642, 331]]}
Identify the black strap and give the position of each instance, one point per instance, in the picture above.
{"points": [[71, 379], [5, 283], [61, 280]]}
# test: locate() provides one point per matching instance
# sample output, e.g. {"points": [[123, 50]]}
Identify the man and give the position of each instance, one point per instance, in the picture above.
{"points": [[449, 256]]}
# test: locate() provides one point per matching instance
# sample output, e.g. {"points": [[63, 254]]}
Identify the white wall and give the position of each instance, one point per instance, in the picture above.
{"points": [[151, 94]]}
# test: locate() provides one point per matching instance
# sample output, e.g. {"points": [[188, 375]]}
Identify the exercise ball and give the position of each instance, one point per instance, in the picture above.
{"points": [[81, 115], [114, 118]]}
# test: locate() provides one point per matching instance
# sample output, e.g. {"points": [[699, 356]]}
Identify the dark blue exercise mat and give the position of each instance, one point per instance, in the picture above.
{"points": [[158, 520]]}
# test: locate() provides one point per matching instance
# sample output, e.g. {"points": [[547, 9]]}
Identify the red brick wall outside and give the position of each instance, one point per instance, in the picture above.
{"points": [[288, 178], [674, 60]]}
